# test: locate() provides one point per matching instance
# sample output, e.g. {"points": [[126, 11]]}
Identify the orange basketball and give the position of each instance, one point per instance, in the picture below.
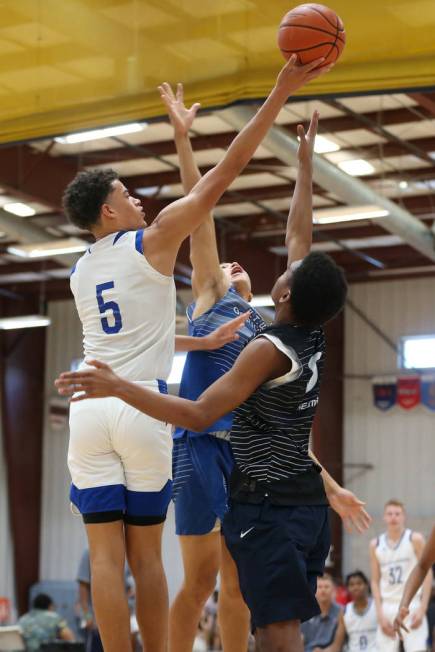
{"points": [[312, 31]]}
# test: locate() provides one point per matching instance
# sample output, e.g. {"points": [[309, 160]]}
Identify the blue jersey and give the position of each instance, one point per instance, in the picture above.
{"points": [[203, 368]]}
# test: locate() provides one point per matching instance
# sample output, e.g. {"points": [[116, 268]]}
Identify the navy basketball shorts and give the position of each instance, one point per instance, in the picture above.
{"points": [[279, 552], [201, 469]]}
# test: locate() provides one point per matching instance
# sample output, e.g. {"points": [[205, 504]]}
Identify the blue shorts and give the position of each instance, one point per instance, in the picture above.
{"points": [[201, 468], [279, 552]]}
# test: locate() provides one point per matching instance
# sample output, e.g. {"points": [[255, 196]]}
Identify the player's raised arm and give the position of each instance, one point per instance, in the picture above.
{"points": [[259, 362], [176, 221], [299, 233], [208, 275]]}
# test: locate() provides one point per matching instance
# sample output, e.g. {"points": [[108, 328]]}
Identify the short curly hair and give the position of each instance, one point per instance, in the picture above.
{"points": [[318, 290], [85, 195]]}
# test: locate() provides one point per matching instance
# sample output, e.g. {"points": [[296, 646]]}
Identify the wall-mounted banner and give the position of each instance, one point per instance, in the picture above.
{"points": [[408, 391], [385, 393], [428, 391]]}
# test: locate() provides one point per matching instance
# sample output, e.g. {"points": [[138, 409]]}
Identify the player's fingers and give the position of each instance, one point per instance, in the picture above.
{"points": [[301, 133], [168, 89], [180, 92], [292, 61], [98, 364], [308, 67], [195, 107], [80, 397], [312, 130]]}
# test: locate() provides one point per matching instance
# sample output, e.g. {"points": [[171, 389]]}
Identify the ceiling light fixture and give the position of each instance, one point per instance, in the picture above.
{"points": [[20, 209], [26, 321], [323, 145], [46, 249], [348, 214], [357, 167], [106, 132]]}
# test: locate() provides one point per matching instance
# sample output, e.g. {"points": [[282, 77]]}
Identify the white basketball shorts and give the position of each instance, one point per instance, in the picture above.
{"points": [[413, 641], [120, 461]]}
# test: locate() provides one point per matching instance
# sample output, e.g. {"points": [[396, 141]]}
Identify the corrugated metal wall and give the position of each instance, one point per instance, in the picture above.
{"points": [[7, 581], [62, 533], [399, 444], [62, 536]]}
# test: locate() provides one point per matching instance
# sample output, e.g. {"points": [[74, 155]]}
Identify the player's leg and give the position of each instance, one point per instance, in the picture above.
{"points": [[98, 491], [233, 613], [279, 637], [145, 447], [201, 561], [107, 558], [415, 640], [144, 543]]}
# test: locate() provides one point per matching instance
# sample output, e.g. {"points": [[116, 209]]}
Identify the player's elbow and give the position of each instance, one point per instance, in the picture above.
{"points": [[199, 419]]}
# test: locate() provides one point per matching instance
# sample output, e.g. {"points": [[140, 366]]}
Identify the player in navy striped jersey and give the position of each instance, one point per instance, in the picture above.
{"points": [[203, 462], [277, 526]]}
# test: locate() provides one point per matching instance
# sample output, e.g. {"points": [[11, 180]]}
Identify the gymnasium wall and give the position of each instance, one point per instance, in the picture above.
{"points": [[399, 444], [6, 552], [62, 533]]}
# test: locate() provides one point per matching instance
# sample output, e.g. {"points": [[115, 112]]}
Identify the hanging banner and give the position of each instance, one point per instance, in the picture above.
{"points": [[408, 391], [428, 391], [385, 394]]}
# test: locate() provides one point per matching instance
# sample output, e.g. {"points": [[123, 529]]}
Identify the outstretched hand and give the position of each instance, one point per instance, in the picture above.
{"points": [[181, 118], [350, 509], [294, 75], [226, 333], [307, 140], [88, 383]]}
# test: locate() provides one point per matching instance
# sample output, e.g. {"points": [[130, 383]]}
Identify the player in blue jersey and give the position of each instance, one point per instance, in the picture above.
{"points": [[277, 525], [203, 462]]}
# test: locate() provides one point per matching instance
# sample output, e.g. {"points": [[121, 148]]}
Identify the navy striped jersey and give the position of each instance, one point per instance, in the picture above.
{"points": [[271, 429], [203, 368]]}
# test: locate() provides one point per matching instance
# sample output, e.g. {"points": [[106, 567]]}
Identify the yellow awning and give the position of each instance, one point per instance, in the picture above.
{"points": [[68, 65]]}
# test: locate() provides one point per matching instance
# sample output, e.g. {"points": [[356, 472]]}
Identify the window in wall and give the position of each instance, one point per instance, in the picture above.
{"points": [[417, 352]]}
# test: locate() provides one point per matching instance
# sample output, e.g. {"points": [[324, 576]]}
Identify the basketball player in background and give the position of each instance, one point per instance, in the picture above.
{"points": [[393, 555], [120, 459], [414, 582], [277, 526], [203, 462], [357, 624]]}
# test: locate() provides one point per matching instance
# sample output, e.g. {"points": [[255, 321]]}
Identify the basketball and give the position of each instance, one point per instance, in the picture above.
{"points": [[312, 31]]}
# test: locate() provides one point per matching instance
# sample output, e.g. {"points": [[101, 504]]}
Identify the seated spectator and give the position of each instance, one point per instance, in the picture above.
{"points": [[43, 625], [358, 624], [319, 631]]}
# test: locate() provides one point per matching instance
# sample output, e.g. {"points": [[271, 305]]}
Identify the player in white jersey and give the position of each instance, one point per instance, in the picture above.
{"points": [[358, 624], [120, 459], [393, 555]]}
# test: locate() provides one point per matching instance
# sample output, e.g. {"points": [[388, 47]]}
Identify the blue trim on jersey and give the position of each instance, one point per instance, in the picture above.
{"points": [[117, 236], [73, 269], [139, 241], [98, 499], [163, 387], [149, 503], [202, 368]]}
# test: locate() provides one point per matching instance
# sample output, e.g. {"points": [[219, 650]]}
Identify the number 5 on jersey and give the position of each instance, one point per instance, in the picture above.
{"points": [[108, 306]]}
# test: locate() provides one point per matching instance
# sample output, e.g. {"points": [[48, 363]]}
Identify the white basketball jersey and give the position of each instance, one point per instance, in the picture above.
{"points": [[396, 564], [361, 628], [127, 308]]}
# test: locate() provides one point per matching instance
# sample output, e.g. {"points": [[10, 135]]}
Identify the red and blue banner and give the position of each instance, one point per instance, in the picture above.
{"points": [[428, 391], [408, 392], [385, 394]]}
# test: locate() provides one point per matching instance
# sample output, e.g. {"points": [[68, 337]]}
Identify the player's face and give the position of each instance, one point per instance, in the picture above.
{"points": [[125, 210], [325, 591], [238, 278], [281, 290], [357, 588], [394, 517]]}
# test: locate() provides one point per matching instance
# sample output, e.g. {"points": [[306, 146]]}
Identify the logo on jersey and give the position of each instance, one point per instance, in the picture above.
{"points": [[308, 404]]}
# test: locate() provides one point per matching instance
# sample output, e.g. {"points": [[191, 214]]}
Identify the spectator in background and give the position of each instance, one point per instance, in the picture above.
{"points": [[319, 631], [43, 625]]}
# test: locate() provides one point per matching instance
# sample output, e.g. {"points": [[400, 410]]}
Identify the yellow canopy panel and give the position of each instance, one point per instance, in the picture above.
{"points": [[68, 65]]}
